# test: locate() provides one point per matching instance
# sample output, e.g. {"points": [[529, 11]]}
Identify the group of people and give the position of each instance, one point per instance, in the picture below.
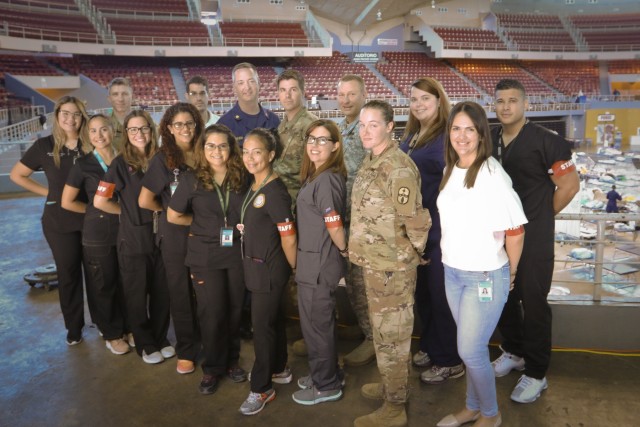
{"points": [[201, 216]]}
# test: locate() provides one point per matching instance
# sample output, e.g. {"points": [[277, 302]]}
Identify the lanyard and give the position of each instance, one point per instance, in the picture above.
{"points": [[224, 203], [247, 200], [100, 160]]}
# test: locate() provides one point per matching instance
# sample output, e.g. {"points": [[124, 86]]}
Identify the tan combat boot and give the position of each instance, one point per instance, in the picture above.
{"points": [[300, 348], [373, 391], [388, 415], [363, 354]]}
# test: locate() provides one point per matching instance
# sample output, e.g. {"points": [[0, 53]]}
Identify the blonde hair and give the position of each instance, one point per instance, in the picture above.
{"points": [[59, 135]]}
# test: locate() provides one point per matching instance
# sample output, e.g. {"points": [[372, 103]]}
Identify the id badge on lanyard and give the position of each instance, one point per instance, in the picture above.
{"points": [[174, 184], [226, 237], [485, 289]]}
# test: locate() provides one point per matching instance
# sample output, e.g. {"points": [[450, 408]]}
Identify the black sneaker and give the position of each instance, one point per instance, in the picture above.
{"points": [[208, 384], [237, 374]]}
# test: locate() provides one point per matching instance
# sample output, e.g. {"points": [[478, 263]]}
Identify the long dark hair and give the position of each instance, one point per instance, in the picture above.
{"points": [[439, 122], [130, 153], [335, 162], [479, 118], [236, 175], [174, 157]]}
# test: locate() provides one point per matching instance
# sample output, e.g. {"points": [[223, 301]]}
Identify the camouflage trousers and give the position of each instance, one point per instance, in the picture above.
{"points": [[356, 291], [390, 295]]}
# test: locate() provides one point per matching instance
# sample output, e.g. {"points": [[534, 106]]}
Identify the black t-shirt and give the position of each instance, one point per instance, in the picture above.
{"points": [[158, 180], [40, 157], [203, 244], [100, 228], [326, 194], [127, 184], [528, 160], [265, 261]]}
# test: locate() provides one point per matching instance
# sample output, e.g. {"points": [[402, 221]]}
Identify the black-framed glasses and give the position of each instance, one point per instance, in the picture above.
{"points": [[213, 147], [320, 140], [143, 129], [180, 125]]}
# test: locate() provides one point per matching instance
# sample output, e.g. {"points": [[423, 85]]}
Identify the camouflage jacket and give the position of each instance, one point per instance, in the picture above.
{"points": [[389, 226], [118, 133], [353, 155], [287, 166]]}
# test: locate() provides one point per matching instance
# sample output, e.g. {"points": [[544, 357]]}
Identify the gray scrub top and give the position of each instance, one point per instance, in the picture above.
{"points": [[325, 195]]}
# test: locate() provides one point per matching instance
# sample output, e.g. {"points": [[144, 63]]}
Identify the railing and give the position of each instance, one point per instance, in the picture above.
{"points": [[614, 269], [145, 14], [42, 6], [17, 114], [12, 30], [162, 40], [270, 42], [22, 130]]}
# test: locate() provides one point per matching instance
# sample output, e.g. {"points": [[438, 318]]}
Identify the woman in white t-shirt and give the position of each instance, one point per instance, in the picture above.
{"points": [[482, 236]]}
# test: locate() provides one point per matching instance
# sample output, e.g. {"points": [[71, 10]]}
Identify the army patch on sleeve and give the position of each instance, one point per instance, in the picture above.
{"points": [[403, 195]]}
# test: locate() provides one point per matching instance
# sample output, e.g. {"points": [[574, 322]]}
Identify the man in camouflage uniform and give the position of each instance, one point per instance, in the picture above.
{"points": [[351, 97], [389, 229], [120, 96], [292, 130]]}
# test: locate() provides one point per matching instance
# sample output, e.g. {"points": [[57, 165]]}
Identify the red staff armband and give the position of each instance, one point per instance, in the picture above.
{"points": [[287, 228], [105, 189], [332, 219], [562, 167], [515, 231]]}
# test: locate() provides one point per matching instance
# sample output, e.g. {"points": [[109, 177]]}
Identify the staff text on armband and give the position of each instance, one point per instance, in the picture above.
{"points": [[562, 167], [332, 219], [286, 228]]}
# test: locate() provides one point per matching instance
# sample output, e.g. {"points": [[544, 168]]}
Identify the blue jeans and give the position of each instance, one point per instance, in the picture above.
{"points": [[476, 322]]}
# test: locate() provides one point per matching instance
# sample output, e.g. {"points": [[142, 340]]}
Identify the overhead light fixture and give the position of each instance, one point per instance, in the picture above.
{"points": [[379, 15]]}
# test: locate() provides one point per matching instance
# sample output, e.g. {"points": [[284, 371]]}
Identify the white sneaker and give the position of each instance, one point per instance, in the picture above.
{"points": [[153, 358], [528, 389], [168, 352], [506, 363]]}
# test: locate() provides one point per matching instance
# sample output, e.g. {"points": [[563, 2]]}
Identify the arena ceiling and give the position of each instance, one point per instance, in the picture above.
{"points": [[360, 14]]}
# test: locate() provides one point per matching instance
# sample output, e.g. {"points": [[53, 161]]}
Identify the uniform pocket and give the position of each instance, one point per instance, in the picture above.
{"points": [[308, 270], [256, 275]]}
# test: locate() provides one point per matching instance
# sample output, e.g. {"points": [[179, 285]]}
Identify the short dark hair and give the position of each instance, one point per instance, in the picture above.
{"points": [[291, 75], [506, 84], [384, 107], [197, 80]]}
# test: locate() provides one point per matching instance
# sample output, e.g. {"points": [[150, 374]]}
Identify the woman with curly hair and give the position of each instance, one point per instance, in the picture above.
{"points": [[144, 280], [180, 128], [208, 200], [55, 155]]}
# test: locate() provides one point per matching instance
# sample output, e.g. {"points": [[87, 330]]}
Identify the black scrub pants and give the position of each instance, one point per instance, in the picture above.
{"points": [[317, 305], [219, 296], [269, 334], [180, 297], [438, 337], [67, 255], [525, 323], [146, 295], [103, 285]]}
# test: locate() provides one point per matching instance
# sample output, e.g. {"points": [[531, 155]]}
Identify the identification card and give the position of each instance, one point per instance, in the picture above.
{"points": [[485, 290], [172, 186], [226, 237]]}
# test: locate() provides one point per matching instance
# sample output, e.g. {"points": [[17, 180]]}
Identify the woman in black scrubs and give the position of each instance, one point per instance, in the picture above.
{"points": [[99, 232], [180, 128], [269, 253], [209, 200], [55, 155], [322, 248], [144, 280]]}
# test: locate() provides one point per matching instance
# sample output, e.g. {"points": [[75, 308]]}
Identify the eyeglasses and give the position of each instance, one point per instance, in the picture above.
{"points": [[201, 94], [321, 140], [68, 114], [180, 125], [214, 147], [134, 131]]}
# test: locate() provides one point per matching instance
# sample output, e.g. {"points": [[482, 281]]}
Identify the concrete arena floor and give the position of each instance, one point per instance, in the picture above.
{"points": [[43, 382]]}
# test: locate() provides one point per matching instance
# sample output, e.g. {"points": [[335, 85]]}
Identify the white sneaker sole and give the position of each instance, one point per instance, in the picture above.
{"points": [[318, 400]]}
